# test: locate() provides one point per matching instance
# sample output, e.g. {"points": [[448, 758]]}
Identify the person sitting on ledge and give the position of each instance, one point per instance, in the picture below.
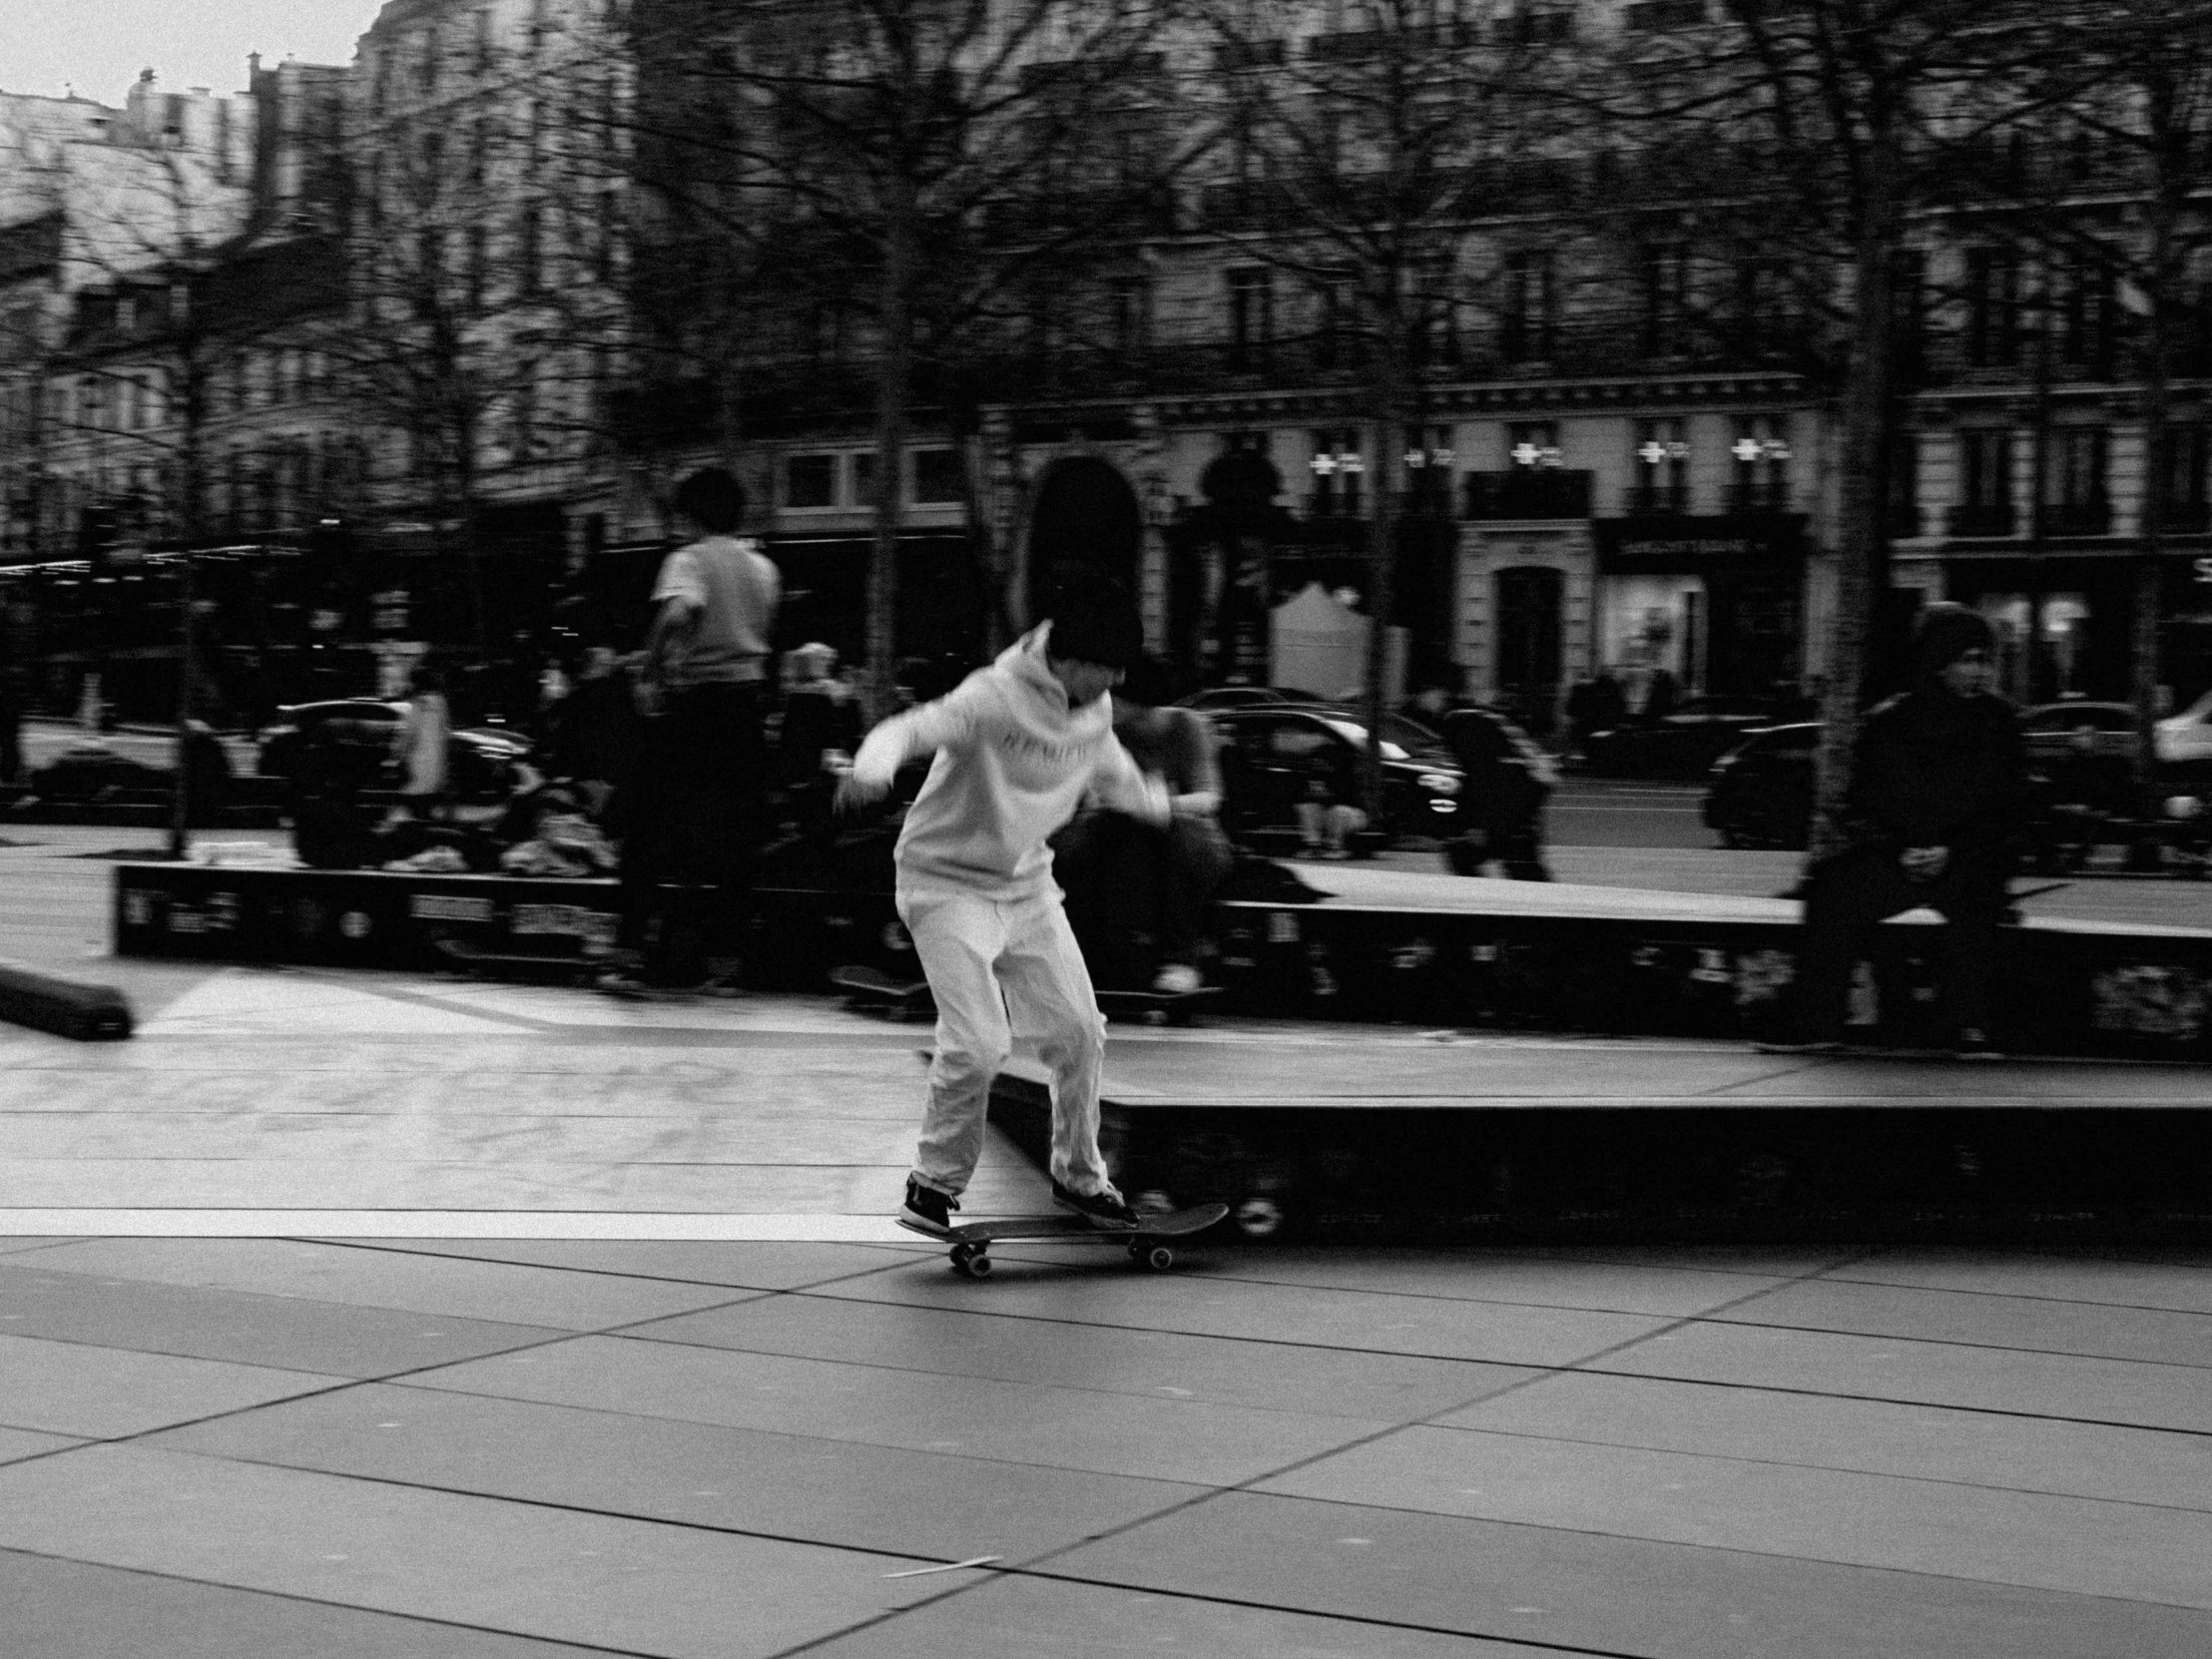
{"points": [[1937, 781]]}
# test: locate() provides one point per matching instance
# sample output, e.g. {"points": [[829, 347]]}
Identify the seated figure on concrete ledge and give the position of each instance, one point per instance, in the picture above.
{"points": [[1938, 781]]}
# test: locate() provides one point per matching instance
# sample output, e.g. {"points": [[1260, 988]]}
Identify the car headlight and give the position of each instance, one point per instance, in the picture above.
{"points": [[1439, 783]]}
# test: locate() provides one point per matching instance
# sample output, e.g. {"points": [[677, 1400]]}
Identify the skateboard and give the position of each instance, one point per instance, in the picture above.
{"points": [[869, 987], [1154, 1007], [971, 1252]]}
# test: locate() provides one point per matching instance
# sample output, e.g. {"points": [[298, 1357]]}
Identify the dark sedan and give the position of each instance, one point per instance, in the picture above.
{"points": [[1274, 754], [354, 736], [1684, 744], [1761, 794]]}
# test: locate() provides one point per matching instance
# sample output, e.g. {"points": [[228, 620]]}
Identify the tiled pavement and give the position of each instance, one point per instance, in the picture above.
{"points": [[733, 1412]]}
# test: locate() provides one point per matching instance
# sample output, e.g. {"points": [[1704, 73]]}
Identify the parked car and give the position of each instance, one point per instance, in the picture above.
{"points": [[1238, 697], [1271, 751], [1684, 744], [1761, 792], [356, 734]]}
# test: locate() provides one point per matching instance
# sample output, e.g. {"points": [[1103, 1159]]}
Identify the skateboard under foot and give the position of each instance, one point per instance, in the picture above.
{"points": [[970, 1244]]}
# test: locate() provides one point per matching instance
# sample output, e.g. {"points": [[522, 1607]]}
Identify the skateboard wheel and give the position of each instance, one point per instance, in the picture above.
{"points": [[979, 1266], [1159, 1259], [962, 1254]]}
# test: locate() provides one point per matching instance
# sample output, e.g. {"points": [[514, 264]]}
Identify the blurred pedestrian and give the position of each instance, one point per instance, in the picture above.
{"points": [[422, 742], [1504, 780], [1936, 788], [697, 820], [1125, 876]]}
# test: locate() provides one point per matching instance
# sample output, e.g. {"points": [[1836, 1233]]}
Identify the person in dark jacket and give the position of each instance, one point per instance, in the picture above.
{"points": [[1504, 780], [1937, 783]]}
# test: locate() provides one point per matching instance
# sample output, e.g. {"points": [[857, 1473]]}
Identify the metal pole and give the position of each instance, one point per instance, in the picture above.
{"points": [[179, 800]]}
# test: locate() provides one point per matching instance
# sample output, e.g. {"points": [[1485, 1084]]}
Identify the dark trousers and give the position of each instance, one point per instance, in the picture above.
{"points": [[1123, 876], [694, 820], [1852, 891]]}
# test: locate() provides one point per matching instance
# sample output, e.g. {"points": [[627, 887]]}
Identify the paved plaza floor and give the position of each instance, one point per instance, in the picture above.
{"points": [[348, 1315]]}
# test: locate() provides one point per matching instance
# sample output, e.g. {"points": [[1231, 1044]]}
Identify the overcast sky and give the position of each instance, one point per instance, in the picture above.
{"points": [[99, 46]]}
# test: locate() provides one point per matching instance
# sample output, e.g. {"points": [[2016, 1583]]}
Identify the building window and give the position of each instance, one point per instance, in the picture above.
{"points": [[2179, 481], [1530, 312], [1909, 312], [1339, 469], [2074, 499], [1429, 461], [1129, 315], [1765, 302], [1992, 307], [1760, 457], [809, 481], [2086, 315], [529, 273], [1533, 443], [1434, 309], [1666, 295], [1336, 336], [1985, 483], [1250, 316], [1662, 468], [938, 477]]}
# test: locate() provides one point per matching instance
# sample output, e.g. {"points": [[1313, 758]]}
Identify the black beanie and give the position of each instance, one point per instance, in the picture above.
{"points": [[1946, 633]]}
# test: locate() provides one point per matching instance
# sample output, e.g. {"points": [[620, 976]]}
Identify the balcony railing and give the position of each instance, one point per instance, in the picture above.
{"points": [[2076, 519], [1983, 518], [1526, 492], [1656, 498]]}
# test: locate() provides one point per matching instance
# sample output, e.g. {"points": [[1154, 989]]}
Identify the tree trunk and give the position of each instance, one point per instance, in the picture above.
{"points": [[894, 374], [1866, 410]]}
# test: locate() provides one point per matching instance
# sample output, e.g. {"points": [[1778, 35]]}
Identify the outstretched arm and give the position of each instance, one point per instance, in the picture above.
{"points": [[903, 737]]}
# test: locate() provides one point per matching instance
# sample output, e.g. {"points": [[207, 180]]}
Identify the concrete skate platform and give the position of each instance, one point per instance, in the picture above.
{"points": [[1375, 945], [1460, 1136]]}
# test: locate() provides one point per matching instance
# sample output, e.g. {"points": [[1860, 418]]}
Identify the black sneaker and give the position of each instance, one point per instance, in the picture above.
{"points": [[1105, 1208], [927, 1208]]}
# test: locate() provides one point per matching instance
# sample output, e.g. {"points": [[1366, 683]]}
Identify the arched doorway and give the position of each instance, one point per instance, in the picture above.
{"points": [[1086, 516]]}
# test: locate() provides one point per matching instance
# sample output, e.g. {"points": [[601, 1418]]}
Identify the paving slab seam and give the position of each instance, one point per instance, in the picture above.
{"points": [[710, 1529], [1891, 1399], [903, 1259], [1793, 1463], [2029, 1295], [1249, 1486], [1525, 1643], [1954, 1341], [346, 1606]]}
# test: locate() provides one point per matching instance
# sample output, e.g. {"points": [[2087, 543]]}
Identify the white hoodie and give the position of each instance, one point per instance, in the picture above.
{"points": [[1013, 763]]}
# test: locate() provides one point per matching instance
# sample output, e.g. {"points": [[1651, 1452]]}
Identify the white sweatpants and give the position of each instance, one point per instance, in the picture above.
{"points": [[998, 968]]}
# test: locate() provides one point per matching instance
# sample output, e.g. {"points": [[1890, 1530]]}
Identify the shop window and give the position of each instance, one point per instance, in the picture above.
{"points": [[1662, 468], [809, 481], [937, 478]]}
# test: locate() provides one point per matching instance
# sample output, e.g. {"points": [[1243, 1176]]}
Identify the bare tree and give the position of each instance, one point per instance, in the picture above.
{"points": [[1829, 123], [1367, 167], [901, 173]]}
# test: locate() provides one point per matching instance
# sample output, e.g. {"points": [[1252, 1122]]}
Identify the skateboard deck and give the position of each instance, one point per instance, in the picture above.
{"points": [[873, 988], [970, 1244], [1156, 1007]]}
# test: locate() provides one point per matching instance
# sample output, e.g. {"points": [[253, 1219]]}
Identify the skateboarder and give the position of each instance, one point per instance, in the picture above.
{"points": [[1017, 746]]}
